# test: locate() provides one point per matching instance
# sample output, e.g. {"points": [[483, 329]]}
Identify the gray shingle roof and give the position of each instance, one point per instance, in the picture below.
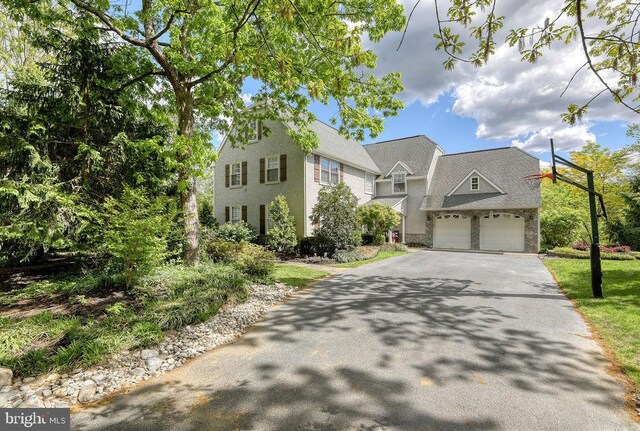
{"points": [[505, 167], [390, 201], [416, 152], [337, 147]]}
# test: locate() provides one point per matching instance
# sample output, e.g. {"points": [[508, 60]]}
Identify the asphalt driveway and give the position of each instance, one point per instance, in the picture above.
{"points": [[426, 341]]}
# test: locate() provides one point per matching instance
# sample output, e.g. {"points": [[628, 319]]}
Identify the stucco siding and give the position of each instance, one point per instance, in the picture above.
{"points": [[352, 176], [383, 188], [415, 217], [483, 187], [255, 194]]}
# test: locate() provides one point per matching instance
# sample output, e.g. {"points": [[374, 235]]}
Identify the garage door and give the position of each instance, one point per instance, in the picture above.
{"points": [[452, 231], [502, 231]]}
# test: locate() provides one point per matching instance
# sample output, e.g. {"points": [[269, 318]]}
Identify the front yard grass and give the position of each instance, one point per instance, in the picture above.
{"points": [[381, 256], [297, 276], [616, 318]]}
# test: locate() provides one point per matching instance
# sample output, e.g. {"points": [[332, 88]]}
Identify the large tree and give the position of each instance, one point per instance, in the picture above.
{"points": [[73, 133], [205, 50]]}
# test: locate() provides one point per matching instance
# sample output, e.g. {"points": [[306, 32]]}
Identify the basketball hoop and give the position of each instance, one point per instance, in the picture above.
{"points": [[534, 180]]}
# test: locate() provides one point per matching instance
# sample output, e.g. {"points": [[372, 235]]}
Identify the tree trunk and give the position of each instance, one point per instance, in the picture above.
{"points": [[184, 100]]}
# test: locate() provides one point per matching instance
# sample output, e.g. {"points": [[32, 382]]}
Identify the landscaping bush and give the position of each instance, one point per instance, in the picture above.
{"points": [[396, 246], [557, 229], [252, 260], [371, 239], [235, 232], [281, 236], [603, 248], [136, 232], [335, 216], [315, 246], [572, 253], [355, 255], [378, 219]]}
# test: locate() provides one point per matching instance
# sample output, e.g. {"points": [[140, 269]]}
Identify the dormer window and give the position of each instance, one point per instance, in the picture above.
{"points": [[475, 183], [399, 182]]}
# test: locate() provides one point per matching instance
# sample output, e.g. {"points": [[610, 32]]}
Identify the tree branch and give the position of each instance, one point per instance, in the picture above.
{"points": [[106, 19], [139, 78], [617, 98]]}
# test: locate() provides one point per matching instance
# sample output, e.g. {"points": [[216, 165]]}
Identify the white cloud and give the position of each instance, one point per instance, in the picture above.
{"points": [[246, 98], [509, 99]]}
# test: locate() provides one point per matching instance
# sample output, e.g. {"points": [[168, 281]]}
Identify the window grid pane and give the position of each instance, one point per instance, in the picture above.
{"points": [[235, 174]]}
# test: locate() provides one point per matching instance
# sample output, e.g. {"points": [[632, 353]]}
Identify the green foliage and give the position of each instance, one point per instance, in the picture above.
{"points": [[315, 246], [378, 219], [84, 334], [281, 236], [135, 232], [370, 239], [72, 134], [252, 260], [357, 254], [336, 219], [572, 253], [557, 228], [625, 234], [175, 296], [235, 232], [206, 216], [395, 246]]}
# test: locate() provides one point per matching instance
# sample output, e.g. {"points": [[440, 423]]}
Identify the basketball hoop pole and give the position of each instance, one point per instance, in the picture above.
{"points": [[596, 264]]}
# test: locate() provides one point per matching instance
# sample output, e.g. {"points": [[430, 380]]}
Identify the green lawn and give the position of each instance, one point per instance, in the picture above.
{"points": [[297, 276], [616, 317], [382, 255]]}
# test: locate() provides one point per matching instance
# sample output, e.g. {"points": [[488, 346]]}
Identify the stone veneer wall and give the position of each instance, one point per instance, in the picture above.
{"points": [[415, 238], [531, 226]]}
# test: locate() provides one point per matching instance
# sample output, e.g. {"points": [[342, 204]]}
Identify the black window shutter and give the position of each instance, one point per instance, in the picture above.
{"points": [[226, 175], [244, 173], [263, 219], [244, 213], [226, 214], [262, 171]]}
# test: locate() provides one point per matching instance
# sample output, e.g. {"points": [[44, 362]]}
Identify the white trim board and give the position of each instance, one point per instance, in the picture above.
{"points": [[473, 173], [408, 171]]}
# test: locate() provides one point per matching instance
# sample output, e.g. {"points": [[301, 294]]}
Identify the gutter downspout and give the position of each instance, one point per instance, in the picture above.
{"points": [[304, 194]]}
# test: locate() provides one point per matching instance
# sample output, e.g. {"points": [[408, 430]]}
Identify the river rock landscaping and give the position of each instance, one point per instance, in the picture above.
{"points": [[129, 367]]}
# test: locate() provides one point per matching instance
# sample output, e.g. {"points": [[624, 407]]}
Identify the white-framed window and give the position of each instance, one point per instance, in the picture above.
{"points": [[236, 214], [368, 183], [399, 182], [236, 174], [253, 132], [329, 171], [273, 169], [475, 183]]}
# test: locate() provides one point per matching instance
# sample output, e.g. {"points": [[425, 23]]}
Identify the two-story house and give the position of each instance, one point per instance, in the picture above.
{"points": [[475, 200]]}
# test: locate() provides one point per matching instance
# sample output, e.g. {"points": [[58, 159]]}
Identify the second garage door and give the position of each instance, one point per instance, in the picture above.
{"points": [[452, 231], [502, 231]]}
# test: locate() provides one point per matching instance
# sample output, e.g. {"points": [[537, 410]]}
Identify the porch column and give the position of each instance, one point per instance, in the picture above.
{"points": [[404, 224]]}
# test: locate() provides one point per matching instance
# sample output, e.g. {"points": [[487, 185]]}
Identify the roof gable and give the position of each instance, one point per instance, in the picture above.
{"points": [[415, 153], [403, 168], [505, 167], [474, 173]]}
